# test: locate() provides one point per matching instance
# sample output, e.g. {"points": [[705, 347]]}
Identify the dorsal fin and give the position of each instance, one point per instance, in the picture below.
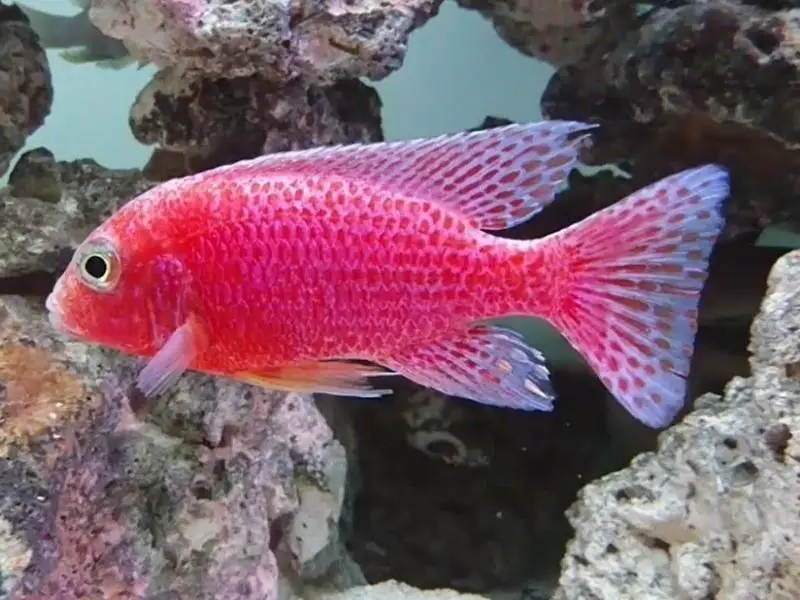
{"points": [[497, 177]]}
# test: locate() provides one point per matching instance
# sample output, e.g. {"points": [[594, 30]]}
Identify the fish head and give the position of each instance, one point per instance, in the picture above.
{"points": [[109, 295]]}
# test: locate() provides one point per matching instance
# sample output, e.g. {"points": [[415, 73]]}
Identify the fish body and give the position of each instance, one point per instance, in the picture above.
{"points": [[282, 271], [79, 40]]}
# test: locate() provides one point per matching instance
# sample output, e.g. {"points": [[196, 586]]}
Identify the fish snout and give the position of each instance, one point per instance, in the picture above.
{"points": [[51, 303], [55, 312]]}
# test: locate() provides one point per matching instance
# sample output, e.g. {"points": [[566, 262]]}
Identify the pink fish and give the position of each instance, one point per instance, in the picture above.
{"points": [[283, 270]]}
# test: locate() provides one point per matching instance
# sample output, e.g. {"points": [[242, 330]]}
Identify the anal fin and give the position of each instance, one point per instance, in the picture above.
{"points": [[334, 377], [486, 364]]}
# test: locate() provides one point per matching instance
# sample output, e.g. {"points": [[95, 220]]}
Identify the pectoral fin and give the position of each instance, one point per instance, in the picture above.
{"points": [[338, 378], [173, 359]]}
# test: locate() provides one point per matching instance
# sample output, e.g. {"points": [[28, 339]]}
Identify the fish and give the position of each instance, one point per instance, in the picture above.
{"points": [[322, 271], [78, 38]]}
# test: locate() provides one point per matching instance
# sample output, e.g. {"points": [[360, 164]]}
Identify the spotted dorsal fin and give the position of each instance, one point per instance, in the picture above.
{"points": [[496, 177]]}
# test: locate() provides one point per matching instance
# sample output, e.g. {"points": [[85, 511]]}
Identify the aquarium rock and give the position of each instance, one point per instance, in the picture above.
{"points": [[203, 497], [230, 119], [715, 512], [747, 61], [26, 92], [712, 81], [556, 45], [395, 590], [541, 14], [49, 207], [322, 43], [559, 32], [430, 416]]}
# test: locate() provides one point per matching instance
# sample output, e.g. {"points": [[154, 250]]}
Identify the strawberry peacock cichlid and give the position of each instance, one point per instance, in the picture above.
{"points": [[283, 270]]}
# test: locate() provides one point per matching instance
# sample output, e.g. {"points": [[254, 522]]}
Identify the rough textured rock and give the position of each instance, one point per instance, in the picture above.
{"points": [[749, 57], [323, 43], [394, 590], [217, 491], [715, 512], [556, 45], [231, 119], [542, 14], [710, 81], [558, 32], [49, 207], [202, 498], [26, 93]]}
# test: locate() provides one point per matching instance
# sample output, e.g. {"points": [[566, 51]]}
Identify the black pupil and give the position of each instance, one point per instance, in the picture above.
{"points": [[96, 267]]}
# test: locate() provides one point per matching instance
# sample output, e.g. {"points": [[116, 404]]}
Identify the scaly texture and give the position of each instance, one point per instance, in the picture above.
{"points": [[263, 269], [253, 245]]}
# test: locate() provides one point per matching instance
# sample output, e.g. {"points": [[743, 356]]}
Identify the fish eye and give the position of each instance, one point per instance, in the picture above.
{"points": [[99, 268], [96, 266]]}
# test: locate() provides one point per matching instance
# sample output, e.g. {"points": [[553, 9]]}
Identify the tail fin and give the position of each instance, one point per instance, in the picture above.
{"points": [[635, 271]]}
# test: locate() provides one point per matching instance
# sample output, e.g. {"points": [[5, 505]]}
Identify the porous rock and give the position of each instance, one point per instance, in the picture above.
{"points": [[321, 42], [394, 590], [748, 57], [202, 498], [542, 14], [556, 45], [706, 82], [243, 117], [49, 208], [715, 511], [559, 32], [26, 92], [215, 492]]}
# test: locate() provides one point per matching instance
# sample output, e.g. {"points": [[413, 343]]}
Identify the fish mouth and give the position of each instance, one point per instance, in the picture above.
{"points": [[51, 304], [56, 316]]}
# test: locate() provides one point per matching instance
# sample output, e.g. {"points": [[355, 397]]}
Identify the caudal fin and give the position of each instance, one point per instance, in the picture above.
{"points": [[634, 277]]}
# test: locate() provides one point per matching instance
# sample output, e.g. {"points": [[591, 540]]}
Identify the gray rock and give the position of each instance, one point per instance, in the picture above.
{"points": [[49, 207], [559, 32], [542, 14], [321, 42], [712, 81], [247, 116], [199, 499], [715, 512], [219, 491], [394, 590], [26, 92]]}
